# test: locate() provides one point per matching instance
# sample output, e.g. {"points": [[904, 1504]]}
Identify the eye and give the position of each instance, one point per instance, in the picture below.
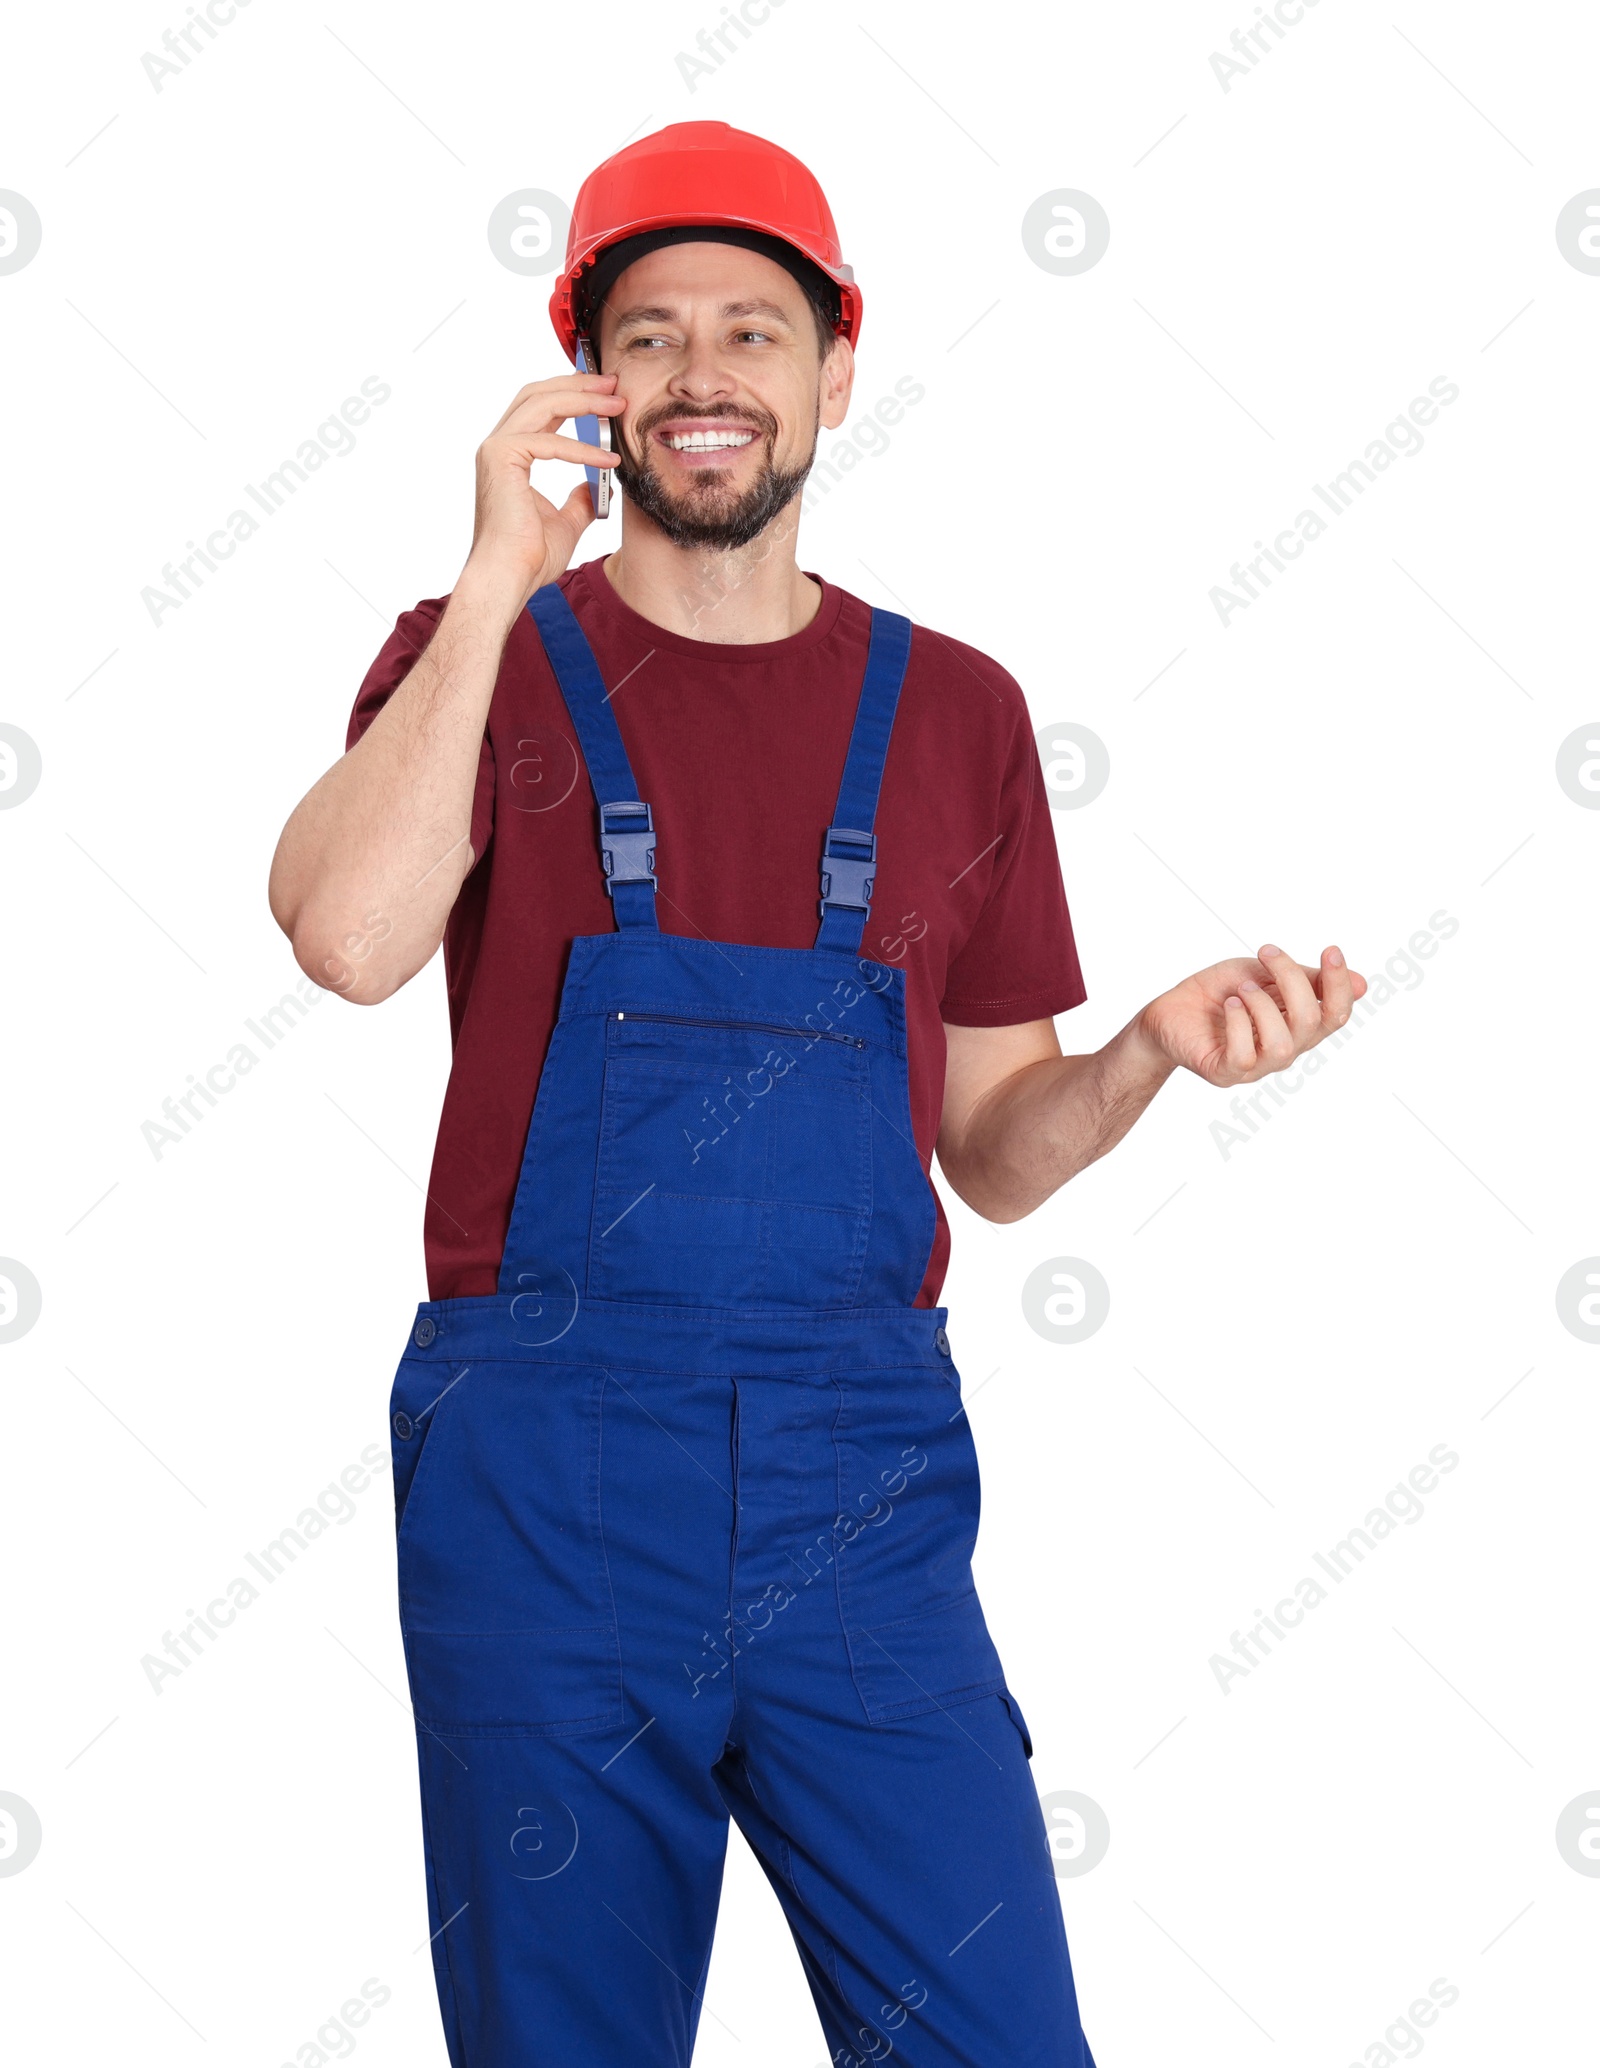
{"points": [[635, 343]]}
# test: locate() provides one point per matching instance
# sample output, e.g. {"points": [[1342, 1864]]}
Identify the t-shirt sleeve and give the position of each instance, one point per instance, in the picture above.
{"points": [[1020, 961], [412, 631]]}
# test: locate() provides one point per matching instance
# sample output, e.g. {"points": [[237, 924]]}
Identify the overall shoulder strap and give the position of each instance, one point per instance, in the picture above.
{"points": [[627, 831], [850, 847]]}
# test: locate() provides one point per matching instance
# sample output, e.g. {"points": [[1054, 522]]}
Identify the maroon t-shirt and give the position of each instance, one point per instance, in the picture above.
{"points": [[739, 750]]}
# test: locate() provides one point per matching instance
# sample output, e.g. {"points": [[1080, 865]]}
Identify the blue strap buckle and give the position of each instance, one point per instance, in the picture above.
{"points": [[848, 869], [627, 844]]}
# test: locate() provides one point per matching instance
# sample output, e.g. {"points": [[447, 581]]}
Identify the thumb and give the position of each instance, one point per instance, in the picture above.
{"points": [[569, 523], [581, 505]]}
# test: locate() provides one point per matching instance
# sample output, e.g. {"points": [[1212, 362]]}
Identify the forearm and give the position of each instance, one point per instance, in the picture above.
{"points": [[372, 858], [1040, 1126]]}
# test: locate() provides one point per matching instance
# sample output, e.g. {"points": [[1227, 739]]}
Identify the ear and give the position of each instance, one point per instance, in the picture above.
{"points": [[835, 378]]}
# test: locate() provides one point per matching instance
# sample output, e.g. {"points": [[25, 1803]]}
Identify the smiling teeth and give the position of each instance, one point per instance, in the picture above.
{"points": [[707, 441]]}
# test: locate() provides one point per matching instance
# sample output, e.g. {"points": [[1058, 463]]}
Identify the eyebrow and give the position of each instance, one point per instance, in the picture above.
{"points": [[661, 314]]}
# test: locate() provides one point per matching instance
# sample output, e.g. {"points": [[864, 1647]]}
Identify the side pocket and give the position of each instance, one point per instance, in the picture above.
{"points": [[907, 1525], [413, 1400], [505, 1595], [1021, 1722]]}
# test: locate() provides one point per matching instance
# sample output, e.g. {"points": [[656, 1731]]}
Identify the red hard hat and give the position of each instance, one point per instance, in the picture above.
{"points": [[701, 172]]}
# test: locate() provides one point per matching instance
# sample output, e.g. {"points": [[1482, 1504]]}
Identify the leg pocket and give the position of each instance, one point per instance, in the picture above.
{"points": [[505, 1596], [907, 1525]]}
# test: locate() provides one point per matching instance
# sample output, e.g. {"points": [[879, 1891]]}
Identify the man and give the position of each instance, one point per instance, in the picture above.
{"points": [[686, 1498]]}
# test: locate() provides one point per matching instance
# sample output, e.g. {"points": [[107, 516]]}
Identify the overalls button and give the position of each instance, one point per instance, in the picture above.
{"points": [[424, 1332], [402, 1427], [941, 1343]]}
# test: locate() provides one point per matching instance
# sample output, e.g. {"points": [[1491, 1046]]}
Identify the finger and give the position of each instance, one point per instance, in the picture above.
{"points": [[553, 445], [1239, 1035], [571, 398], [541, 412], [537, 421], [1337, 988], [1273, 1036], [1300, 1004], [586, 385]]}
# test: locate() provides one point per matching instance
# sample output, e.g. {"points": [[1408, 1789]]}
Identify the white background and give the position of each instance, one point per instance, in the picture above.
{"points": [[1372, 741]]}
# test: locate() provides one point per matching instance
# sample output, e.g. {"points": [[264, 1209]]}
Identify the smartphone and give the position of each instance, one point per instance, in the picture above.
{"points": [[595, 430]]}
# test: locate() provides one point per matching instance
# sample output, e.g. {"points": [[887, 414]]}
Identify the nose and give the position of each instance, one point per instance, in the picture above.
{"points": [[704, 376]]}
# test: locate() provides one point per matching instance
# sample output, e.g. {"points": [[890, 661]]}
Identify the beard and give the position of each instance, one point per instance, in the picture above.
{"points": [[707, 512]]}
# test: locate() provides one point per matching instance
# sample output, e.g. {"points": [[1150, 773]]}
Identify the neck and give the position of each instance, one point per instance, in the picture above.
{"points": [[738, 597]]}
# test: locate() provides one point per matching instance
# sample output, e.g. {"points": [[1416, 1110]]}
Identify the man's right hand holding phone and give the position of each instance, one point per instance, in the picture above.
{"points": [[519, 536]]}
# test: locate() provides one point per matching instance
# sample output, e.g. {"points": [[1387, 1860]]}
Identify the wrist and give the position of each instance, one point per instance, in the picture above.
{"points": [[1141, 1054], [492, 591]]}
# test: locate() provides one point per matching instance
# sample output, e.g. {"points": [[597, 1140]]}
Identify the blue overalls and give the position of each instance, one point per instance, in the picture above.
{"points": [[686, 1511]]}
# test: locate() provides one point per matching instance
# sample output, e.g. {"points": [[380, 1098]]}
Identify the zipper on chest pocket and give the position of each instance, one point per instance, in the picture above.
{"points": [[672, 1019]]}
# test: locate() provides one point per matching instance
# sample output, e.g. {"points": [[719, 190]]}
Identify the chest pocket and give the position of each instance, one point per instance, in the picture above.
{"points": [[735, 1164]]}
